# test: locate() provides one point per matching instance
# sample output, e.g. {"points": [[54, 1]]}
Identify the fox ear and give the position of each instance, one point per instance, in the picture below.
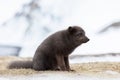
{"points": [[71, 29]]}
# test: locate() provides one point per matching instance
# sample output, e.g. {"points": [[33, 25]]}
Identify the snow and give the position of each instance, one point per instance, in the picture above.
{"points": [[111, 72], [55, 15], [8, 8], [55, 76], [95, 59]]}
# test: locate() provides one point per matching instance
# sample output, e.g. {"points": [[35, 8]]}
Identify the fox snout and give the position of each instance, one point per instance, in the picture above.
{"points": [[85, 39]]}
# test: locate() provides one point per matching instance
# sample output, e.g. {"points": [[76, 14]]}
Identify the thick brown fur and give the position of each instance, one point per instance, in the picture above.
{"points": [[53, 53]]}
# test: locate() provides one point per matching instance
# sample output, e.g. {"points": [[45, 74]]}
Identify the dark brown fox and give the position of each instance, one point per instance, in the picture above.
{"points": [[53, 53]]}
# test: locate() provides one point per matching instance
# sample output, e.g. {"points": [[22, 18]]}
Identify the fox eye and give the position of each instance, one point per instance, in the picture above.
{"points": [[79, 34]]}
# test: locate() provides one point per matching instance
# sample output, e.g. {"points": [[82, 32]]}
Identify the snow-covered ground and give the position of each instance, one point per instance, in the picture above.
{"points": [[87, 59], [56, 76], [92, 15]]}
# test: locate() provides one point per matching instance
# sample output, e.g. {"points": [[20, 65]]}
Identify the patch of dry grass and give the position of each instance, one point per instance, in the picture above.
{"points": [[86, 68], [97, 66]]}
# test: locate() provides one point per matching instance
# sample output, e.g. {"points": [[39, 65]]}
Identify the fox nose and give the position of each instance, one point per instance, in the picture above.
{"points": [[88, 39]]}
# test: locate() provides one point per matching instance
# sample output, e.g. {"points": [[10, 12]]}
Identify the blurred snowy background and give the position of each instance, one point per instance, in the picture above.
{"points": [[24, 24]]}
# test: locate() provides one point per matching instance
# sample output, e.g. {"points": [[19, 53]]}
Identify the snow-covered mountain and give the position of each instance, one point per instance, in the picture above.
{"points": [[36, 19]]}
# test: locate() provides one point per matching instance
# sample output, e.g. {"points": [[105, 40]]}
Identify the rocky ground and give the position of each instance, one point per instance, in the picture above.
{"points": [[84, 71]]}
